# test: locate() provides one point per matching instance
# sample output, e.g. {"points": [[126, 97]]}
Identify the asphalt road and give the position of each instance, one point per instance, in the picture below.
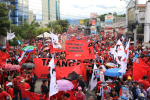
{"points": [[39, 83]]}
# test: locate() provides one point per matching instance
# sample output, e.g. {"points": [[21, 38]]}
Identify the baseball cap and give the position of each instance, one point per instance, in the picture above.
{"points": [[23, 80], [9, 84], [79, 88]]}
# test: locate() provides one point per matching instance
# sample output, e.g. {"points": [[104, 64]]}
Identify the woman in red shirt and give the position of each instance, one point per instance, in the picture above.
{"points": [[4, 94], [10, 90]]}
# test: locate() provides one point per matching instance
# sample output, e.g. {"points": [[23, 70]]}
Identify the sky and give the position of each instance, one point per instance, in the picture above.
{"points": [[81, 9]]}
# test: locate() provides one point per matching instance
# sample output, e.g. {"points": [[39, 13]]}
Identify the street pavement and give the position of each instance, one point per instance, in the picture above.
{"points": [[39, 83]]}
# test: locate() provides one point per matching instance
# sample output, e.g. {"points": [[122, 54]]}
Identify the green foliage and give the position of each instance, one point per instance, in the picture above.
{"points": [[4, 22], [58, 26], [102, 17], [86, 22]]}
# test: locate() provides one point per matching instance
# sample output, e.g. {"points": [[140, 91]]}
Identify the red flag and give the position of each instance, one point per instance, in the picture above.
{"points": [[39, 48], [3, 57], [7, 47], [22, 61], [51, 47], [34, 51], [138, 71], [28, 56]]}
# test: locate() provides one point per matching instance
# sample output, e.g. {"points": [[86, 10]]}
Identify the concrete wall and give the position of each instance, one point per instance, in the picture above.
{"points": [[3, 40]]}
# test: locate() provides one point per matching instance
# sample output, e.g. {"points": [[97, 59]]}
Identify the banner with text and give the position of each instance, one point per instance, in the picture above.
{"points": [[79, 49], [42, 69]]}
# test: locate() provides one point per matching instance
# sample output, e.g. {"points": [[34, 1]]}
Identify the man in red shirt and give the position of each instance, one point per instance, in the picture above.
{"points": [[144, 82], [4, 94], [16, 82], [10, 90], [24, 87], [1, 77]]}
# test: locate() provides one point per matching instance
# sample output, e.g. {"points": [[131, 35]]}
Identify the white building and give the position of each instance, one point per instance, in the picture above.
{"points": [[130, 17], [147, 25], [50, 11]]}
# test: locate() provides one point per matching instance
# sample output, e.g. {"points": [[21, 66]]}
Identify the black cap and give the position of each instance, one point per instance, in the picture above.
{"points": [[135, 82], [67, 95], [145, 77]]}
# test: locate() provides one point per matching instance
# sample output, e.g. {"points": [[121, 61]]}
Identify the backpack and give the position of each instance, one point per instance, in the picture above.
{"points": [[81, 95], [18, 82]]}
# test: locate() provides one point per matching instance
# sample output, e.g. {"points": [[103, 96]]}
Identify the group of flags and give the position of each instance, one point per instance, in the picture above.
{"points": [[121, 55]]}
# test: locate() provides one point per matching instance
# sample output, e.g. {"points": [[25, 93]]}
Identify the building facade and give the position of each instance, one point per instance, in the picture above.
{"points": [[32, 16], [20, 13], [130, 17], [50, 11]]}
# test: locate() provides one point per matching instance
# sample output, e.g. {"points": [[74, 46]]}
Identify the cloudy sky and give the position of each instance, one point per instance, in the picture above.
{"points": [[81, 9]]}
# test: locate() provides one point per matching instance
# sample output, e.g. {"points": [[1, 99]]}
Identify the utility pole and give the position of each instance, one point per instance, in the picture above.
{"points": [[135, 19], [51, 23]]}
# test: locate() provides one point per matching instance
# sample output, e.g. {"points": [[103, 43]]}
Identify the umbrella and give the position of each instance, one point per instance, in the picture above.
{"points": [[111, 64], [113, 72], [48, 40], [28, 65], [29, 48], [46, 48], [13, 67], [6, 65], [64, 85]]}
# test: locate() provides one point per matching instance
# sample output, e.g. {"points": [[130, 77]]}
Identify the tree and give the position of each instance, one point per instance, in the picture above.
{"points": [[115, 14], [102, 17], [86, 22], [4, 21], [110, 13]]}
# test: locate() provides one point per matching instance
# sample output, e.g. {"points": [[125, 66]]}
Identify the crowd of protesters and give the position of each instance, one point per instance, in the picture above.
{"points": [[15, 84]]}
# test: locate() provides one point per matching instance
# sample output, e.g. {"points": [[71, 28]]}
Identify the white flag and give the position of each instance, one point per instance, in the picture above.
{"points": [[10, 36], [119, 49], [20, 59], [55, 41], [127, 49], [93, 79], [53, 86]]}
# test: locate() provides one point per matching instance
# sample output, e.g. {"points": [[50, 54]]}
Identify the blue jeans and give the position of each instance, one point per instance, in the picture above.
{"points": [[25, 98], [16, 94]]}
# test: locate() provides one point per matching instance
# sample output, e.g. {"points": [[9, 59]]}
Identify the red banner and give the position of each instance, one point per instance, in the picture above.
{"points": [[42, 69], [79, 49], [62, 72], [34, 96]]}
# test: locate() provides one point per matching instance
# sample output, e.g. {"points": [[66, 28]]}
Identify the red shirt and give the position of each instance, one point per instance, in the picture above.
{"points": [[5, 74], [24, 75], [15, 81], [22, 88], [3, 94], [5, 87], [11, 92], [29, 79]]}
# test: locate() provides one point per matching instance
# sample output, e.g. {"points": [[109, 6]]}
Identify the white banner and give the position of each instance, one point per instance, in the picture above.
{"points": [[53, 86], [93, 81]]}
